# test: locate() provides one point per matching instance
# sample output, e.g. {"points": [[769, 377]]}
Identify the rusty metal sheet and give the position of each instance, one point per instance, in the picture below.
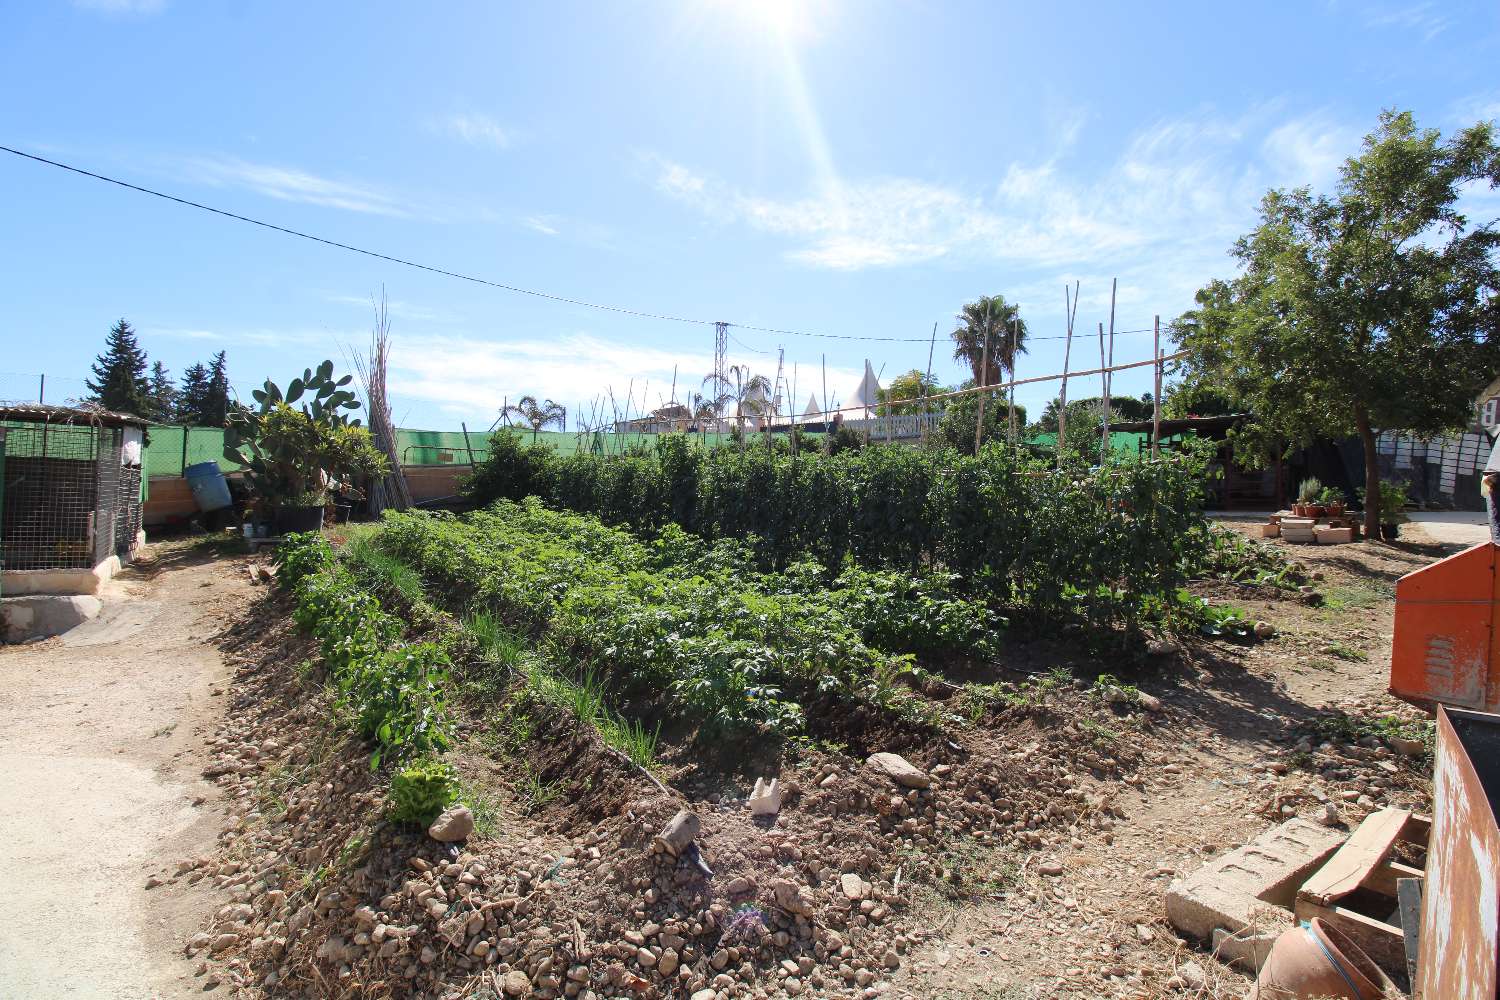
{"points": [[1459, 949]]}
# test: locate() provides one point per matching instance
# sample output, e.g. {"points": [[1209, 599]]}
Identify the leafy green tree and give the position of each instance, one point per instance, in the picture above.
{"points": [[119, 381], [1374, 307], [956, 428], [162, 394], [192, 398], [537, 415], [992, 316], [1084, 413], [1197, 399], [905, 393]]}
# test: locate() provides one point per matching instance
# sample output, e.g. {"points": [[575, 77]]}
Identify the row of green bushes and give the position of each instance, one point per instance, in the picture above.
{"points": [[1111, 542], [732, 646]]}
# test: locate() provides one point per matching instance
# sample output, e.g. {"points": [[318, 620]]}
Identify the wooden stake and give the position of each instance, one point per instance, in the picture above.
{"points": [[1109, 380], [1015, 333], [925, 391], [1103, 391], [825, 394], [1070, 310], [467, 446], [1156, 392], [984, 380]]}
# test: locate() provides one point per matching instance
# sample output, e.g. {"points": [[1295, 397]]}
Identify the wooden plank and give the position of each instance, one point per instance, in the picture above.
{"points": [[1364, 851], [1385, 877]]}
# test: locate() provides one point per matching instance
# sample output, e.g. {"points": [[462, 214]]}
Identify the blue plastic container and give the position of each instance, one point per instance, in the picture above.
{"points": [[210, 488]]}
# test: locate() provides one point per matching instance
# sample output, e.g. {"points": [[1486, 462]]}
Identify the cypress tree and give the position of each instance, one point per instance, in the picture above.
{"points": [[163, 394], [216, 403], [119, 381], [193, 396]]}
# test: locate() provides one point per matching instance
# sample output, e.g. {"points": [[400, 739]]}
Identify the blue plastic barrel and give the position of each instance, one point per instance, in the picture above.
{"points": [[210, 489]]}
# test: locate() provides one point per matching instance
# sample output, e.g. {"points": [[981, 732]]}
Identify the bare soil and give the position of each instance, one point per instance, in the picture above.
{"points": [[101, 745], [1098, 930]]}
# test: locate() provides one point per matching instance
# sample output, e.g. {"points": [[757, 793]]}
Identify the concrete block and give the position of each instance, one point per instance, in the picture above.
{"points": [[1270, 530], [1335, 536], [1251, 888], [39, 616]]}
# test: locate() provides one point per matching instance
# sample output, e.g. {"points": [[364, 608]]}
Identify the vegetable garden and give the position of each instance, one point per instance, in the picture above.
{"points": [[727, 592]]}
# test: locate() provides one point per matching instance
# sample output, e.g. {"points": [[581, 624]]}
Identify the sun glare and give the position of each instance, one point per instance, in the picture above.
{"points": [[789, 20]]}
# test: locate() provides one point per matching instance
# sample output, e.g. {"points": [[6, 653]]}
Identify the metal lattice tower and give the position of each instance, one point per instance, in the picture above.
{"points": [[721, 348], [776, 388]]}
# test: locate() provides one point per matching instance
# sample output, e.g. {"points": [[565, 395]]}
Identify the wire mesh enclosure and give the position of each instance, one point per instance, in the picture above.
{"points": [[72, 491]]}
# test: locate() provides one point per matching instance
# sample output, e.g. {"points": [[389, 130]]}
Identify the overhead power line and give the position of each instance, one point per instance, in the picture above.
{"points": [[517, 289]]}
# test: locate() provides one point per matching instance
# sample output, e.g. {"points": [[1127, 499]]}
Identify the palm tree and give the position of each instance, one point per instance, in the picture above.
{"points": [[991, 316], [704, 413], [537, 415]]}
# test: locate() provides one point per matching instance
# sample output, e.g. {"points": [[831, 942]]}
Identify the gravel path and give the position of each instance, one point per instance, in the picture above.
{"points": [[100, 752]]}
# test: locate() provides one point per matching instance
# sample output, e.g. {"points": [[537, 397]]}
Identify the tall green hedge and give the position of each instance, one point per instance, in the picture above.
{"points": [[1110, 542]]}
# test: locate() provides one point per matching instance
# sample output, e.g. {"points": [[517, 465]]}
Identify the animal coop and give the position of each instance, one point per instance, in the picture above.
{"points": [[71, 497]]}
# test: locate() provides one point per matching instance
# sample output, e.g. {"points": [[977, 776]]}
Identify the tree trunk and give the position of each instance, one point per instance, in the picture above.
{"points": [[1372, 471]]}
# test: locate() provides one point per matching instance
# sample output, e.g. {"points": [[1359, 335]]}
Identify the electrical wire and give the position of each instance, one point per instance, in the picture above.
{"points": [[517, 289]]}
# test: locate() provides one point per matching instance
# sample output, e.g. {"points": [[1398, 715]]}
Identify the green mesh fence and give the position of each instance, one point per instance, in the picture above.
{"points": [[174, 448]]}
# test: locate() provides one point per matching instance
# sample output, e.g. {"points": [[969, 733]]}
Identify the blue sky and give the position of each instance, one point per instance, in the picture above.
{"points": [[850, 168]]}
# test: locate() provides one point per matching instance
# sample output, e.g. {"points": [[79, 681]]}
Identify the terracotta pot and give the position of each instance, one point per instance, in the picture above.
{"points": [[1336, 509], [1318, 961], [1317, 510], [1299, 509]]}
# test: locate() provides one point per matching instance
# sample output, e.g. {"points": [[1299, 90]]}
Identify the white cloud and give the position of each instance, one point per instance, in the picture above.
{"points": [[256, 337], [1180, 189], [477, 130], [544, 224], [462, 374], [291, 184], [1312, 148], [1423, 18], [396, 309]]}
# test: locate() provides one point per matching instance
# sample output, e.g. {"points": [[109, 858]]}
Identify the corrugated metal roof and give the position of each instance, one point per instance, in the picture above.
{"points": [[44, 413]]}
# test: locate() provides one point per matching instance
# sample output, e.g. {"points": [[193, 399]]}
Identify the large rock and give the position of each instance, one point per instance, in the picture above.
{"points": [[455, 823], [899, 769]]}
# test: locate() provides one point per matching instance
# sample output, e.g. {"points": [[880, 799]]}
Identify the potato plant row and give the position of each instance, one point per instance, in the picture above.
{"points": [[392, 689], [733, 646]]}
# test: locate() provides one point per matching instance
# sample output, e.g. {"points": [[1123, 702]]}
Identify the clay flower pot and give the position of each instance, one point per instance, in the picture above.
{"points": [[1318, 961]]}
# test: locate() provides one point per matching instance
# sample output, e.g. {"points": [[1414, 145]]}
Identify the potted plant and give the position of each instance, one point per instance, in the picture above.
{"points": [[1392, 501], [1332, 500], [296, 457], [1307, 495]]}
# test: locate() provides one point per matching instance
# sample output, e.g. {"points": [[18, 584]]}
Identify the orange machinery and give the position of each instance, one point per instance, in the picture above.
{"points": [[1447, 643]]}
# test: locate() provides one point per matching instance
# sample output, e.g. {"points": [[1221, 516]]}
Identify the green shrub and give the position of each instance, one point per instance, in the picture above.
{"points": [[421, 791], [1105, 542]]}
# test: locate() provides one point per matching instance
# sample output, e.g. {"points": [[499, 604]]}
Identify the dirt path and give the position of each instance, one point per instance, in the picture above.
{"points": [[100, 752]]}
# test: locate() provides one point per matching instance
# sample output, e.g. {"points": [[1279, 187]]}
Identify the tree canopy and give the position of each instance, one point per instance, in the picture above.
{"points": [[119, 381], [989, 316], [1373, 307]]}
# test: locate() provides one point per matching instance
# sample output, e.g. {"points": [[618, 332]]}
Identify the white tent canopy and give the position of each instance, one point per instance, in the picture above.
{"points": [[813, 409], [867, 393]]}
